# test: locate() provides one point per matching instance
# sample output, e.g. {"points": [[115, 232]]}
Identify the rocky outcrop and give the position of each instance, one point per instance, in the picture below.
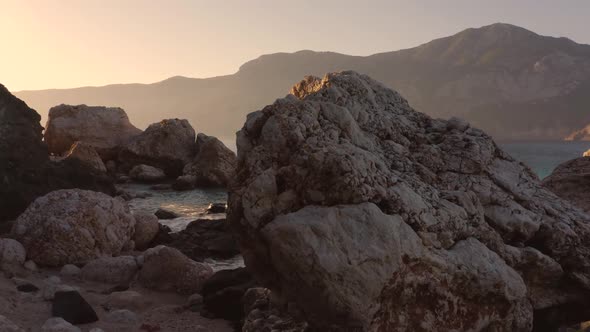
{"points": [[26, 170], [85, 153], [579, 135], [168, 144], [214, 165], [145, 173], [202, 239], [366, 214], [104, 128], [167, 269], [73, 227], [571, 180]]}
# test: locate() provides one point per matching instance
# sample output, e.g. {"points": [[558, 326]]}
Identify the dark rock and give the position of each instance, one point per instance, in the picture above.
{"points": [[168, 145], [216, 208], [166, 214], [25, 168], [185, 182], [72, 307], [27, 288], [571, 180], [214, 164], [223, 292], [164, 236], [203, 238]]}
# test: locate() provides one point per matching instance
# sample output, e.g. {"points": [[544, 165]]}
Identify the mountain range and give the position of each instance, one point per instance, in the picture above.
{"points": [[509, 81]]}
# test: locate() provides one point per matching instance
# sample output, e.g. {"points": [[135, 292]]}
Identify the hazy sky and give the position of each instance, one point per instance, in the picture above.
{"points": [[71, 43]]}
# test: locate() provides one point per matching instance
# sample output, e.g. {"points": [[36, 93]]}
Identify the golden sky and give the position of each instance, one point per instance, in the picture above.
{"points": [[71, 43]]}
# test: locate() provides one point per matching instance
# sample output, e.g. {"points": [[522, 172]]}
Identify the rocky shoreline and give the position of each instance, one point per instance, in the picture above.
{"points": [[352, 211]]}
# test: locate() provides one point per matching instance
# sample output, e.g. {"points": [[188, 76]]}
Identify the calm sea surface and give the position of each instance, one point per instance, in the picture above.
{"points": [[543, 157]]}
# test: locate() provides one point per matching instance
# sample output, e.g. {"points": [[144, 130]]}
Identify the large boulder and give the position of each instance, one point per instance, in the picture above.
{"points": [[571, 180], [204, 238], [146, 229], [167, 269], [214, 165], [73, 227], [366, 214], [11, 253], [104, 128], [86, 153], [168, 144], [26, 170]]}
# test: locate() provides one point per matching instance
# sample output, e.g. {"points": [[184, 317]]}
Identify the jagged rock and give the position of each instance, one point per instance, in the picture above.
{"points": [[167, 269], [112, 270], [168, 145], [166, 214], [145, 173], [26, 170], [72, 307], [146, 229], [7, 326], [261, 315], [85, 153], [346, 200], [104, 128], [571, 180], [73, 227], [214, 164], [203, 238]]}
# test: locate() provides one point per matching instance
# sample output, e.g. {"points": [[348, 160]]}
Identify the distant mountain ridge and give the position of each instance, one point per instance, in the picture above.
{"points": [[507, 80]]}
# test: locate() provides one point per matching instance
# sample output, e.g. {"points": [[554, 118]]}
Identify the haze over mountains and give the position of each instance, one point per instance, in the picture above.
{"points": [[509, 81]]}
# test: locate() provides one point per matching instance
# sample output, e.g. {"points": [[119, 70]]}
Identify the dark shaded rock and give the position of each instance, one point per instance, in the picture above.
{"points": [[571, 180], [147, 174], [72, 307], [168, 145], [216, 208], [203, 238], [27, 288], [262, 315], [25, 169], [214, 164], [184, 182], [164, 236], [223, 292], [166, 214]]}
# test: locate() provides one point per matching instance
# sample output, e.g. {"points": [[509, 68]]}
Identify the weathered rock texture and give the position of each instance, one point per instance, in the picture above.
{"points": [[25, 170], [167, 269], [370, 215], [86, 153], [571, 180], [104, 128], [73, 227], [214, 165], [145, 173], [168, 144]]}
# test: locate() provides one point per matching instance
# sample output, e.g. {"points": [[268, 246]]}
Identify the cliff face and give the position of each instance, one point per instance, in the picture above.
{"points": [[507, 80]]}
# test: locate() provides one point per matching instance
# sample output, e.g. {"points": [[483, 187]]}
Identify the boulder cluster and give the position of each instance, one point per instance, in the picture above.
{"points": [[367, 215], [105, 139]]}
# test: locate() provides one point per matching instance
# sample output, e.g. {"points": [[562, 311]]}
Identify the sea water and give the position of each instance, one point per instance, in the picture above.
{"points": [[543, 157]]}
